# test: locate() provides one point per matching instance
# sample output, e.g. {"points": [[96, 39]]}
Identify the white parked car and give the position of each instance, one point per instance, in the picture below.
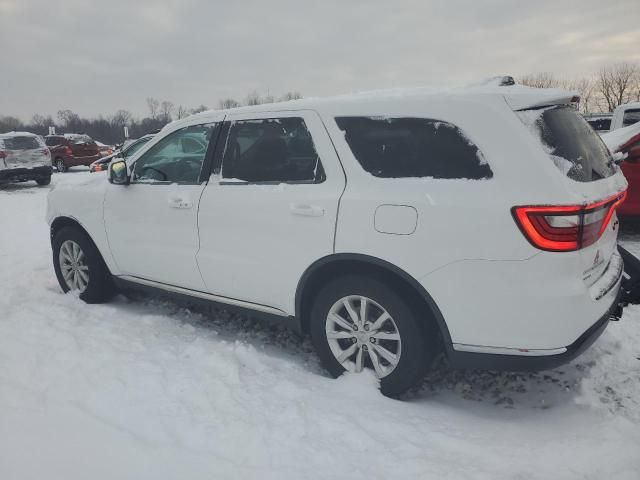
{"points": [[625, 115], [23, 157], [390, 226]]}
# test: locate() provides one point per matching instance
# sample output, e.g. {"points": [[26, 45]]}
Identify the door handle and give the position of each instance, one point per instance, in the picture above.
{"points": [[179, 202], [306, 210]]}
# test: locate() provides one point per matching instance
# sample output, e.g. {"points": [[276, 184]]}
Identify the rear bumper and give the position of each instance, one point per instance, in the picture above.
{"points": [[24, 174], [518, 363]]}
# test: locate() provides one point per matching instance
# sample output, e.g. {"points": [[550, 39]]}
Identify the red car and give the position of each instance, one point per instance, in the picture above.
{"points": [[627, 141], [71, 150]]}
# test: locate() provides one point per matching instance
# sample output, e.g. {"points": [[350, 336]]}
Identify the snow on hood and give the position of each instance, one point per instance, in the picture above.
{"points": [[617, 138]]}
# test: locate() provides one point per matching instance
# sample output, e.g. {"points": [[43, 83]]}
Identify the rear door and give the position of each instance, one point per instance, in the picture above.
{"points": [[269, 210], [152, 224]]}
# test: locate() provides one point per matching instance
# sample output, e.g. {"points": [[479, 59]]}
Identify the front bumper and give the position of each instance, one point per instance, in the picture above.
{"points": [[25, 174]]}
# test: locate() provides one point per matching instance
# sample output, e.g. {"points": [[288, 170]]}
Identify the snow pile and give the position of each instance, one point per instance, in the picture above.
{"points": [[144, 389]]}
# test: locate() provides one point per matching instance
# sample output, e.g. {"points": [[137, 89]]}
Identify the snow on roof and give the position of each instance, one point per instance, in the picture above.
{"points": [[21, 134], [617, 138], [518, 97]]}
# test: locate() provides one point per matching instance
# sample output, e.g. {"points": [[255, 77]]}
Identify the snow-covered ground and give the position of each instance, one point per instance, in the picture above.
{"points": [[145, 389]]}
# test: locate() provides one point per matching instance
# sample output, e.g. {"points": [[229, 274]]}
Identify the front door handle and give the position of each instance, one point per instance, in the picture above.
{"points": [[306, 210], [180, 202]]}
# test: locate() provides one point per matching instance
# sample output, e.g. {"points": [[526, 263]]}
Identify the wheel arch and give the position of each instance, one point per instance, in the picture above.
{"points": [[349, 263], [64, 221]]}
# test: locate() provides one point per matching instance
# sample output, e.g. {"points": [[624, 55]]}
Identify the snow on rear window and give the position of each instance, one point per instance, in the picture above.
{"points": [[413, 147], [23, 143], [573, 146]]}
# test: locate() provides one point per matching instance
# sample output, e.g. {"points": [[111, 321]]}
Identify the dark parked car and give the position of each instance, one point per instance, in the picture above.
{"points": [[71, 150], [126, 151], [601, 122]]}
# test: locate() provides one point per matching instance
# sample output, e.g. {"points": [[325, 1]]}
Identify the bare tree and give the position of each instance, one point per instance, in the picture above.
{"points": [[540, 80], [166, 110], [121, 118], [586, 89], [616, 83], [153, 105], [9, 124], [228, 103], [182, 112]]}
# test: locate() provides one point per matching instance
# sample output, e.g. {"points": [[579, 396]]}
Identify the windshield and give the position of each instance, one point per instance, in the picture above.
{"points": [[575, 148], [135, 147]]}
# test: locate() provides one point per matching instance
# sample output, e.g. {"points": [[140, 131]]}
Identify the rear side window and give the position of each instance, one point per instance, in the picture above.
{"points": [[575, 148], [631, 116], [22, 143], [413, 147], [271, 150]]}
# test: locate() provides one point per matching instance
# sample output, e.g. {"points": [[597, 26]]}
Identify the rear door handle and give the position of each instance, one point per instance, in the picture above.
{"points": [[179, 202], [306, 210]]}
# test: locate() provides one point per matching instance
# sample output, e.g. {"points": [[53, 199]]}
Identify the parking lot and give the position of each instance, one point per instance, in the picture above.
{"points": [[143, 388]]}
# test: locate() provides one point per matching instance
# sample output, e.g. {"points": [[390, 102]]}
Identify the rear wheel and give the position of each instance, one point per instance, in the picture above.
{"points": [[79, 266], [360, 323], [43, 181], [60, 166]]}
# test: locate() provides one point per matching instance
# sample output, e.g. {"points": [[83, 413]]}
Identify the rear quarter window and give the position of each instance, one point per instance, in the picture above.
{"points": [[573, 146], [413, 147]]}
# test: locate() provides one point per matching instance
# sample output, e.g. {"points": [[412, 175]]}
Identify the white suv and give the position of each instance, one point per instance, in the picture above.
{"points": [[390, 226]]}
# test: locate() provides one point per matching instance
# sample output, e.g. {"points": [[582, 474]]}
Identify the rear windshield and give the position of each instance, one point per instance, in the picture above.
{"points": [[413, 147], [575, 148], [22, 143]]}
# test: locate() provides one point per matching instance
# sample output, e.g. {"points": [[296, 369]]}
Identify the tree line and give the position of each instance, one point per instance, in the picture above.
{"points": [[600, 92], [110, 129]]}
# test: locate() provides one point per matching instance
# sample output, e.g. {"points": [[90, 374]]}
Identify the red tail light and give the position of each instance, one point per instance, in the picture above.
{"points": [[3, 155], [566, 228], [46, 151]]}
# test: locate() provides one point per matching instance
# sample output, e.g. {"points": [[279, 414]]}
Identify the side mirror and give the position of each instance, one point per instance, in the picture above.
{"points": [[118, 173]]}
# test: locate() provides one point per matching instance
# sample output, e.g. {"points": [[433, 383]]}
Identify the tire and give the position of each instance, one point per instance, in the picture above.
{"points": [[60, 166], [417, 345], [43, 181], [99, 286]]}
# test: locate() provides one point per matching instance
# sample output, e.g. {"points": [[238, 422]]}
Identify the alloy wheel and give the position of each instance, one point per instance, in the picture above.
{"points": [[362, 334], [73, 266]]}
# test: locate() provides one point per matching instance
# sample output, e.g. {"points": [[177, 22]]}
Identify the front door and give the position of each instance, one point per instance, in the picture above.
{"points": [[269, 210], [152, 223]]}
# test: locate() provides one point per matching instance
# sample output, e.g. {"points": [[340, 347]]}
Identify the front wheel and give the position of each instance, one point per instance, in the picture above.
{"points": [[43, 181], [360, 323], [79, 266]]}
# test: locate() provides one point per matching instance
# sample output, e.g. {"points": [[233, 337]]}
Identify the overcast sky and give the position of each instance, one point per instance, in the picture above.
{"points": [[96, 57]]}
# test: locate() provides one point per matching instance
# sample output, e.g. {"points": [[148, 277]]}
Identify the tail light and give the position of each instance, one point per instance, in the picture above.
{"points": [[46, 152], [3, 155], [566, 228], [68, 151]]}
